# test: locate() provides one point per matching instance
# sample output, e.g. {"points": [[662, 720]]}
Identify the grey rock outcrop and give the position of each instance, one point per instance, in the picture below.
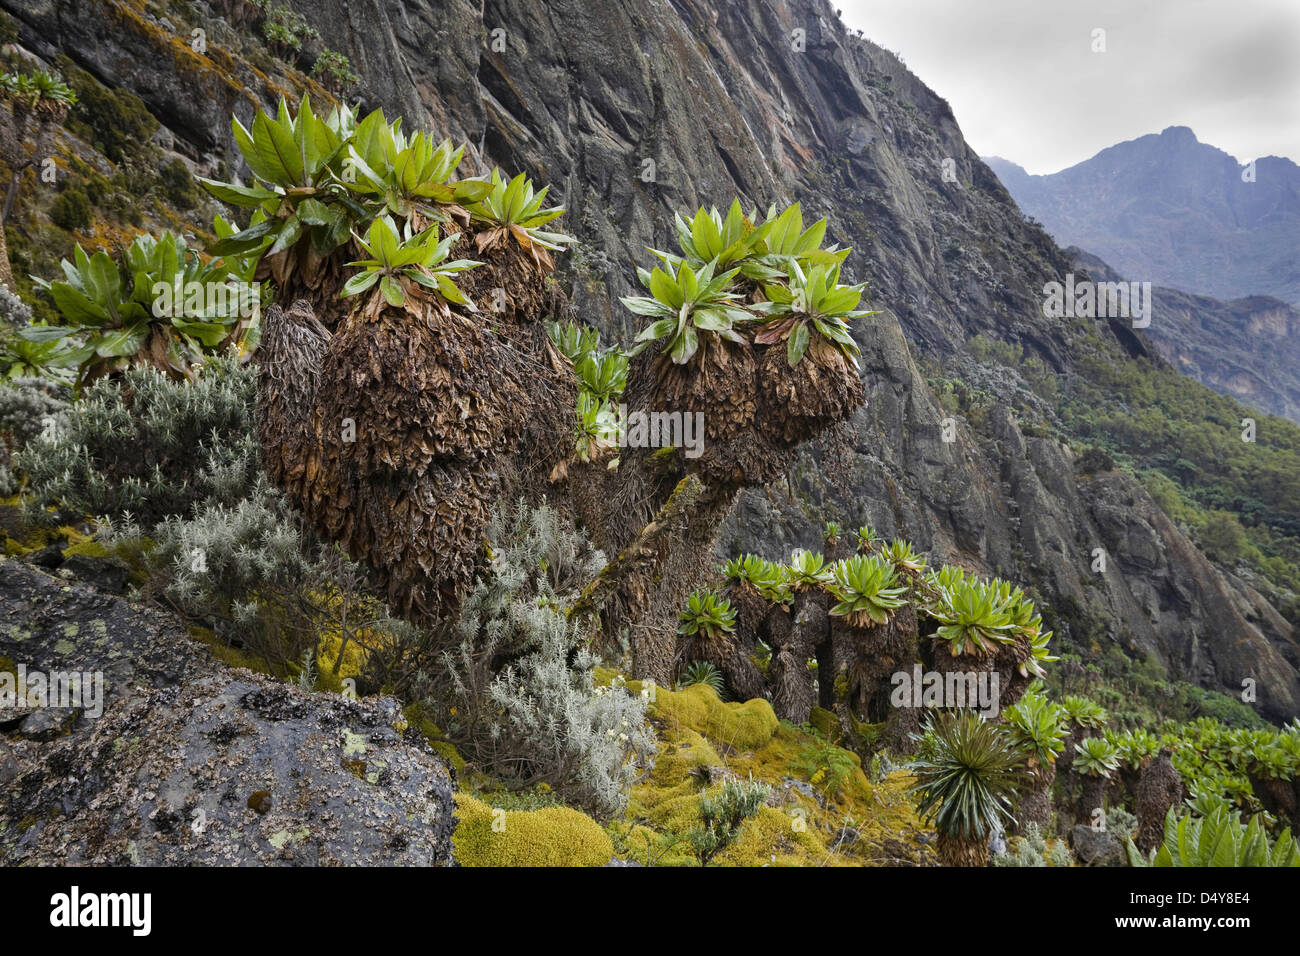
{"points": [[192, 763]]}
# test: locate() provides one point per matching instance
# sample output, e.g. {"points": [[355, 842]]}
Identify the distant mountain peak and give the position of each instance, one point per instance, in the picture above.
{"points": [[1181, 134], [1172, 210]]}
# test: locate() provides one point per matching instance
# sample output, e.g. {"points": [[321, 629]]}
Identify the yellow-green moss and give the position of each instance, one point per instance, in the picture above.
{"points": [[746, 726], [553, 836], [414, 715], [826, 723], [797, 831], [230, 656]]}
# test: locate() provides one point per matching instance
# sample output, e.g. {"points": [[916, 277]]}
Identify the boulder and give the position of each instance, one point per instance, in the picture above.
{"points": [[179, 760]]}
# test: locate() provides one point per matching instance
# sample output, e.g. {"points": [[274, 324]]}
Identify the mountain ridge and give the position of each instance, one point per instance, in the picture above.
{"points": [[1172, 210]]}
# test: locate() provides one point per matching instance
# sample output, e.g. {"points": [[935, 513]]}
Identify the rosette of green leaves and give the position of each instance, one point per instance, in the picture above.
{"points": [[726, 241], [807, 569], [809, 302], [296, 161], [596, 430], [1026, 623], [512, 208], [967, 775], [970, 615], [573, 340], [1039, 724], [399, 261], [1084, 711], [770, 579], [688, 307], [602, 373], [709, 614], [38, 87], [1095, 757], [866, 589], [786, 242], [899, 553], [1135, 747], [868, 539], [409, 177], [113, 309], [602, 376]]}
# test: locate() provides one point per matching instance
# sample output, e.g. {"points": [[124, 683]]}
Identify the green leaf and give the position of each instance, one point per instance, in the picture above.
{"points": [[245, 196], [277, 150], [359, 283], [120, 342], [797, 344], [392, 291]]}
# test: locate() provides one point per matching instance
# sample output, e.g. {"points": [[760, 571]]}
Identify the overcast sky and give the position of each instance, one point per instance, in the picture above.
{"points": [[1025, 84]]}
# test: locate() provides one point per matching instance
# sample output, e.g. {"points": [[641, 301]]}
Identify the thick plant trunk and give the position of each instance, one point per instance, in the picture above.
{"points": [[1094, 798], [955, 851], [1036, 805], [6, 270], [1159, 788]]}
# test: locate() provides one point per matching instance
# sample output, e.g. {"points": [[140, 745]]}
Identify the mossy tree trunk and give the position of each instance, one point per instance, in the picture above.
{"points": [[1093, 797], [1036, 805]]}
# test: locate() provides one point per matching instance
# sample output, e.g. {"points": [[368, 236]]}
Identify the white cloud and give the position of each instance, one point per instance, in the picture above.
{"points": [[1025, 85]]}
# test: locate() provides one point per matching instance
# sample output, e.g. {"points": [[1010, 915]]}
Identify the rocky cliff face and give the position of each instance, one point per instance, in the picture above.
{"points": [[1248, 348], [633, 110]]}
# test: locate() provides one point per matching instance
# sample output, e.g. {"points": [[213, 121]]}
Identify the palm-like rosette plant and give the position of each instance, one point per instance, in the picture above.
{"points": [[868, 539], [728, 242], [38, 92], [1135, 747], [786, 242], [41, 97], [1095, 757], [807, 569], [688, 307], [400, 265], [602, 376], [702, 672], [971, 618], [574, 341], [602, 373], [1027, 624], [808, 303], [1039, 724], [513, 210], [867, 590], [596, 429], [411, 177], [708, 614], [299, 191], [770, 579], [116, 309], [905, 560], [1084, 712], [967, 778]]}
